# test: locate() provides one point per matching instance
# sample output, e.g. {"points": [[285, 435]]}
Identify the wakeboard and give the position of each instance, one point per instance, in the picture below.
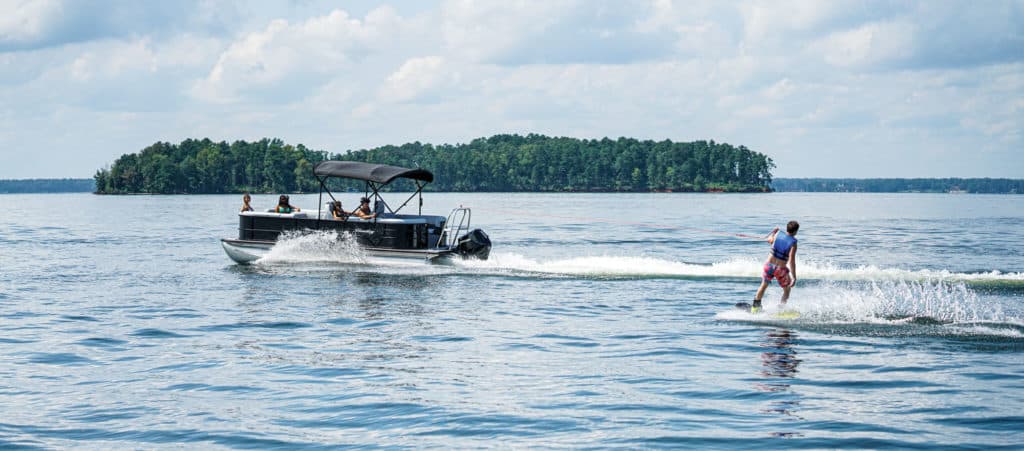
{"points": [[785, 314], [748, 307]]}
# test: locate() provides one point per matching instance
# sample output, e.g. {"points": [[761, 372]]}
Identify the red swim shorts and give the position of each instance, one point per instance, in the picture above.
{"points": [[780, 273]]}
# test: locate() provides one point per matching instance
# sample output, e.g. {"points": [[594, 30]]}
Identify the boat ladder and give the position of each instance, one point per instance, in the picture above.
{"points": [[449, 238]]}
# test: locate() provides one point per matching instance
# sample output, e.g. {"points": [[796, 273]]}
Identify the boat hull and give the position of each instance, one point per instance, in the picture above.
{"points": [[245, 252], [249, 251]]}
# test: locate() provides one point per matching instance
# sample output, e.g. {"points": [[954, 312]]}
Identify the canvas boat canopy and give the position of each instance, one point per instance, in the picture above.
{"points": [[378, 173]]}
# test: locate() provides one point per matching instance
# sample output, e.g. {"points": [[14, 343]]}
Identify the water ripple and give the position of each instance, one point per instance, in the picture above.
{"points": [[156, 333], [119, 331], [102, 342], [156, 436], [60, 358], [285, 325]]}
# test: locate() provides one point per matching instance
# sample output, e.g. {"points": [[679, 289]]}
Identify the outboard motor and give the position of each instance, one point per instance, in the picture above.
{"points": [[475, 244]]}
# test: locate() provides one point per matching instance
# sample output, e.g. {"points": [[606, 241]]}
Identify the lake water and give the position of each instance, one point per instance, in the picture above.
{"points": [[601, 320]]}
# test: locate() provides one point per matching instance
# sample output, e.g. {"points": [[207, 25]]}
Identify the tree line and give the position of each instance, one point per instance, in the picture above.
{"points": [[46, 186], [203, 166], [894, 185], [501, 163]]}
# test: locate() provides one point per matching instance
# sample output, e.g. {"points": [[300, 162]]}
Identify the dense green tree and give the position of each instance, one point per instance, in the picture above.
{"points": [[498, 163]]}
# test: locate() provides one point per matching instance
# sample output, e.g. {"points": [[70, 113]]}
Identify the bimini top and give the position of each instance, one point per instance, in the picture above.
{"points": [[380, 173]]}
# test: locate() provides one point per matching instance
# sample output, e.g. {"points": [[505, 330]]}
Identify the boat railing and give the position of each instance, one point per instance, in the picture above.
{"points": [[457, 222]]}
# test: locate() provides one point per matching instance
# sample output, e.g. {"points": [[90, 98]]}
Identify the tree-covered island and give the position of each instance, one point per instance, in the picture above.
{"points": [[502, 163]]}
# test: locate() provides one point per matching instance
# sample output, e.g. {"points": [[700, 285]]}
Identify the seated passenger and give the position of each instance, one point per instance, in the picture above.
{"points": [[284, 207], [338, 212], [364, 209], [245, 203]]}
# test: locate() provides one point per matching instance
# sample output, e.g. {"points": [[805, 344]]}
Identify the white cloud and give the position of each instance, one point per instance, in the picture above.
{"points": [[868, 45], [825, 88], [39, 24], [417, 78], [481, 31], [553, 32], [106, 75], [113, 61], [291, 60], [771, 19], [25, 21], [780, 90]]}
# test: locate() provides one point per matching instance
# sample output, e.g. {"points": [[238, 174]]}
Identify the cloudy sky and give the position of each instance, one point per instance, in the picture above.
{"points": [[826, 88]]}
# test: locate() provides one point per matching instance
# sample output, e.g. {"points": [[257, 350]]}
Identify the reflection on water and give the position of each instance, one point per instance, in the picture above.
{"points": [[780, 364], [404, 281], [781, 360]]}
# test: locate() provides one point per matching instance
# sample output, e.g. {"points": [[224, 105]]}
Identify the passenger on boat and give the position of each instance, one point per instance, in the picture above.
{"points": [[338, 212], [245, 202], [284, 207], [364, 209]]}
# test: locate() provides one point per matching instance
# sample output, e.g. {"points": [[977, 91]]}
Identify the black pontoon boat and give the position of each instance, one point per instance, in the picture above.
{"points": [[388, 234]]}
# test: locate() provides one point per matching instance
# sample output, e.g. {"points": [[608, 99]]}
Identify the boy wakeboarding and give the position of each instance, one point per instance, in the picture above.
{"points": [[781, 265]]}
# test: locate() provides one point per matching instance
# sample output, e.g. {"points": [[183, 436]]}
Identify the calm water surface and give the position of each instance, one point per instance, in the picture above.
{"points": [[600, 321]]}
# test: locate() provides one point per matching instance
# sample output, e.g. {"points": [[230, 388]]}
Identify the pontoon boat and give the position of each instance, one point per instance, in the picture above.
{"points": [[388, 234]]}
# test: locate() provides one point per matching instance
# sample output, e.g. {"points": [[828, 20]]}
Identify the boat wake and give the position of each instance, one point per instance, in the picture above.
{"points": [[745, 269], [326, 247], [864, 300], [314, 247], [891, 308]]}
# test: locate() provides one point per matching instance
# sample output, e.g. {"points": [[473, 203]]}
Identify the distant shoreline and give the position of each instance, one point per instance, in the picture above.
{"points": [[34, 186], [949, 185], [781, 185]]}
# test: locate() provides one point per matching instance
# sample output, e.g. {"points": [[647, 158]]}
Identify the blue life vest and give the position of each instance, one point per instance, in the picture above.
{"points": [[781, 246]]}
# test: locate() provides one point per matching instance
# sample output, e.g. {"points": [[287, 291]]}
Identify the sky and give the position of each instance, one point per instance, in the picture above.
{"points": [[825, 88]]}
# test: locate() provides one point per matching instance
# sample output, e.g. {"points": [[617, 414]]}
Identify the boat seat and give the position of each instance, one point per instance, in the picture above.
{"points": [[381, 209], [271, 214], [391, 218]]}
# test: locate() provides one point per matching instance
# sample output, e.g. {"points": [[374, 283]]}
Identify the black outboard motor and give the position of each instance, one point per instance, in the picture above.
{"points": [[475, 244]]}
